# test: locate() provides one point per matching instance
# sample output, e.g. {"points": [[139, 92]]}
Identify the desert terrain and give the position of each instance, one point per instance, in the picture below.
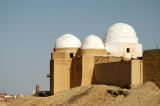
{"points": [[147, 94]]}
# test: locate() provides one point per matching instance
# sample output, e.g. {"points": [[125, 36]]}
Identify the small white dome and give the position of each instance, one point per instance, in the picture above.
{"points": [[92, 42], [68, 41], [121, 33]]}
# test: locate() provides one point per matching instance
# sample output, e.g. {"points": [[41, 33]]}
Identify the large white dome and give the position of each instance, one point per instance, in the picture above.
{"points": [[121, 33], [68, 41], [92, 42]]}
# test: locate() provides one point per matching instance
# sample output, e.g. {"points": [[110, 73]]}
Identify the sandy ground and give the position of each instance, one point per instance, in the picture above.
{"points": [[96, 95]]}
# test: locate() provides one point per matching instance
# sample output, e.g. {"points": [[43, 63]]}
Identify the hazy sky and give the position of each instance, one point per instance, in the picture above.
{"points": [[29, 28]]}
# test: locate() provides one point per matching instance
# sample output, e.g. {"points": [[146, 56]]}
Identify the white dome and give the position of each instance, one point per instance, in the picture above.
{"points": [[92, 42], [68, 41], [121, 33]]}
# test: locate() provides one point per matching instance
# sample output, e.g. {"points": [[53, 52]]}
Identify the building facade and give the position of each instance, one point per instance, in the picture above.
{"points": [[114, 62]]}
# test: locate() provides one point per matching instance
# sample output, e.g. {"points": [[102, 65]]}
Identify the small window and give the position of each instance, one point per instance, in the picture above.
{"points": [[71, 55], [128, 50]]}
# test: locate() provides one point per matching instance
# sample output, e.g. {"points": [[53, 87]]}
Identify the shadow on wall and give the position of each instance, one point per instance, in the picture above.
{"points": [[76, 71], [87, 70], [114, 73]]}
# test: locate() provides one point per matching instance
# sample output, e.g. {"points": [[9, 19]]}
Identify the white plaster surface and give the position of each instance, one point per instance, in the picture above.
{"points": [[139, 49], [113, 47], [121, 33], [92, 42], [68, 41], [121, 36]]}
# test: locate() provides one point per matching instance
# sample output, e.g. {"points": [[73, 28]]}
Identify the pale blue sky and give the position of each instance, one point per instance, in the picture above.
{"points": [[29, 28]]}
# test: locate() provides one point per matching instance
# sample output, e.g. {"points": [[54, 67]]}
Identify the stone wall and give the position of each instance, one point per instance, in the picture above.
{"points": [[87, 69], [106, 59], [76, 72], [121, 73], [151, 66], [113, 73]]}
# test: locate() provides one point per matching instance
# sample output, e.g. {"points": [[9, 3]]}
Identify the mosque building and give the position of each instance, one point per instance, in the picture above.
{"points": [[117, 61]]}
